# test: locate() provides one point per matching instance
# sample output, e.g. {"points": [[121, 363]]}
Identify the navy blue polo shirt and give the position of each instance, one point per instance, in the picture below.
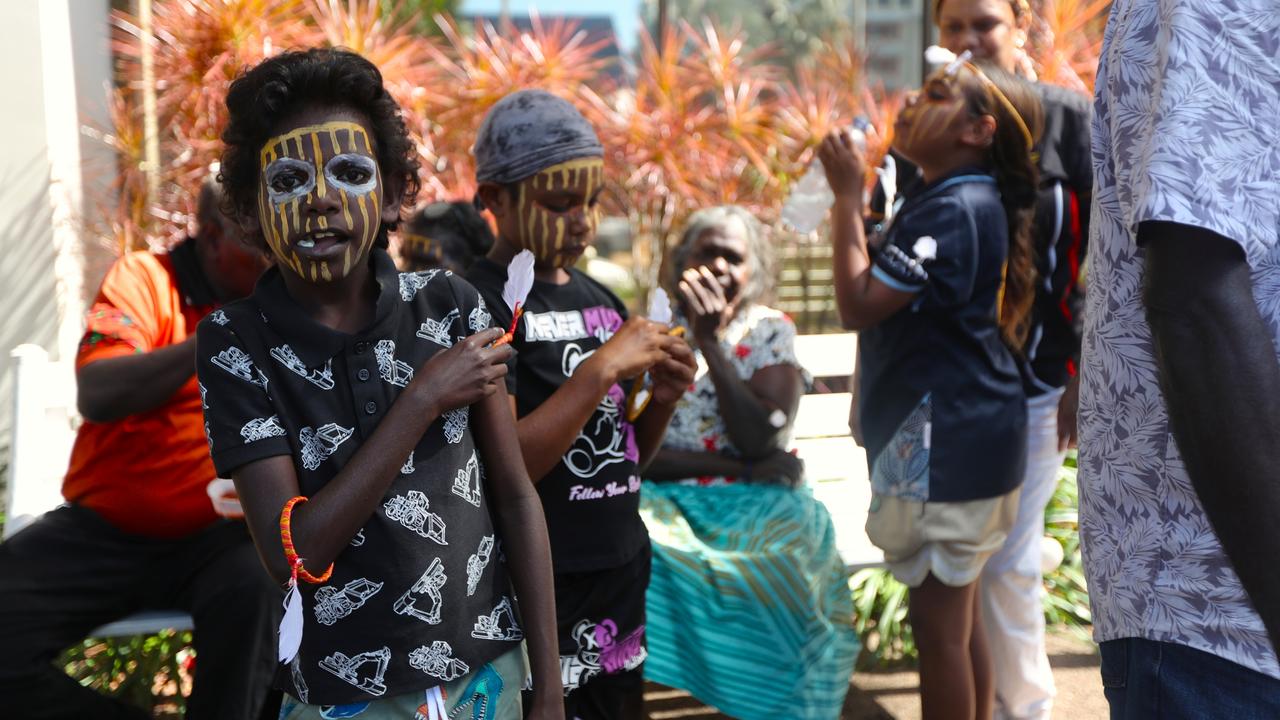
{"points": [[942, 403], [420, 596]]}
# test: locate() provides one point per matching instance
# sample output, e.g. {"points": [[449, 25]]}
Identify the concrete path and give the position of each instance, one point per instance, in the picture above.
{"points": [[895, 695]]}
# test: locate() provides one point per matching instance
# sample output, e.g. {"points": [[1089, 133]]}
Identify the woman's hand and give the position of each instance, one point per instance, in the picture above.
{"points": [[705, 303], [781, 467], [844, 165], [463, 374]]}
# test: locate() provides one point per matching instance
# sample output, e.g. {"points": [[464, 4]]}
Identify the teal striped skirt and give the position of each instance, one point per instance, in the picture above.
{"points": [[749, 607]]}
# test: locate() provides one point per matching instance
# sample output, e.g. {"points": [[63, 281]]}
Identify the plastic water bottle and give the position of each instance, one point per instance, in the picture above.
{"points": [[811, 196]]}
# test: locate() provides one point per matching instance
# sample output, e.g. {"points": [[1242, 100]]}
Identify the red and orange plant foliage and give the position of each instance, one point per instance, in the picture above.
{"points": [[1066, 41], [705, 120]]}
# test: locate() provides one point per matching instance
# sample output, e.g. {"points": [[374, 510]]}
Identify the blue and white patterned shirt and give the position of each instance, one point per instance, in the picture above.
{"points": [[1184, 130]]}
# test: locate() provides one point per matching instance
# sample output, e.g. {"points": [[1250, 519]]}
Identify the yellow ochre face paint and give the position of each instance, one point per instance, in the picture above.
{"points": [[304, 168], [547, 230], [936, 105]]}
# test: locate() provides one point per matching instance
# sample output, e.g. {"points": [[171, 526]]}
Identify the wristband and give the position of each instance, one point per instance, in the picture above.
{"points": [[290, 554]]}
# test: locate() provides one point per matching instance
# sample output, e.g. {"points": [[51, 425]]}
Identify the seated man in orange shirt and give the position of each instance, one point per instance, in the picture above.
{"points": [[138, 530]]}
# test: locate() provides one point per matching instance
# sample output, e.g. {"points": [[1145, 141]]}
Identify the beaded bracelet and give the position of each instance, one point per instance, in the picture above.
{"points": [[290, 554]]}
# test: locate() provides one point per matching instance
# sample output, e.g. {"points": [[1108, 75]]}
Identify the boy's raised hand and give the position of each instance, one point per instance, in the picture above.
{"points": [[463, 374], [636, 347]]}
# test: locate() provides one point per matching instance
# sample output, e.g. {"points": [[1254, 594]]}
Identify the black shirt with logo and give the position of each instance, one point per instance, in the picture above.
{"points": [[420, 596], [592, 496], [943, 408]]}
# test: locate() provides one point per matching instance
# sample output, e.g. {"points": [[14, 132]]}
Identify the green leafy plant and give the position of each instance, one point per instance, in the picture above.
{"points": [[880, 618], [152, 672], [1066, 600]]}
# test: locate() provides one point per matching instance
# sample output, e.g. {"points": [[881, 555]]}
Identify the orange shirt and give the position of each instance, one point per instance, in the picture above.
{"points": [[146, 474]]}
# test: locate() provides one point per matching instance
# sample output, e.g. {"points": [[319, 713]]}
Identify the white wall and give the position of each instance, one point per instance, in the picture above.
{"points": [[52, 176]]}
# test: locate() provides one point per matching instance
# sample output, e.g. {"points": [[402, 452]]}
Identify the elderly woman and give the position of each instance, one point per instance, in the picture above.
{"points": [[748, 606]]}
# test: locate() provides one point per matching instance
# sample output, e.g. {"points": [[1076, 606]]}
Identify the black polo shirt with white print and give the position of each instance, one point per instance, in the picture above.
{"points": [[592, 496], [420, 596]]}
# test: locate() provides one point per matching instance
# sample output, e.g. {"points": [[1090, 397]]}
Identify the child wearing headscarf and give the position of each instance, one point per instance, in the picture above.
{"points": [[540, 170]]}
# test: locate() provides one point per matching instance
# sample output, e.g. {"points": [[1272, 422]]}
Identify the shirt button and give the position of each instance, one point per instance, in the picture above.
{"points": [[361, 347], [370, 408], [363, 374]]}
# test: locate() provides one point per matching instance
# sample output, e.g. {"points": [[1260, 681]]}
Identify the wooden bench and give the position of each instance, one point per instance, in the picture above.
{"points": [[836, 468], [44, 428]]}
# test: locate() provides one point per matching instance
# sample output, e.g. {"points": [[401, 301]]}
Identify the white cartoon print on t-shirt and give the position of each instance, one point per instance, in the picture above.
{"points": [[348, 669], [332, 604], [320, 377]]}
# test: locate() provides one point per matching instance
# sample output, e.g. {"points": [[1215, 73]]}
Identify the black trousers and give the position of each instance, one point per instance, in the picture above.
{"points": [[71, 571]]}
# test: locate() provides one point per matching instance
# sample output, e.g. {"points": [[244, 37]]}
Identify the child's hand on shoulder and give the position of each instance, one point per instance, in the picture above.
{"points": [[844, 165], [465, 373], [673, 375], [636, 347]]}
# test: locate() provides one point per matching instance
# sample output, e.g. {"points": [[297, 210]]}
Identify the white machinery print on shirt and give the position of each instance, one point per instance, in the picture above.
{"points": [[333, 604], [261, 429], [489, 627], [479, 319], [318, 445], [426, 588], [238, 363], [438, 661], [467, 483], [437, 331], [348, 669], [396, 372], [455, 424], [477, 563], [320, 377], [411, 283], [412, 510]]}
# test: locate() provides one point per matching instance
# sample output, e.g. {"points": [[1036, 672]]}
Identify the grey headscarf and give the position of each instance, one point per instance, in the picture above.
{"points": [[528, 131]]}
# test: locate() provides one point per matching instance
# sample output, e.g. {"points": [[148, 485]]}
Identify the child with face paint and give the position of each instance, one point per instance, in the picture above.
{"points": [[540, 170], [362, 414], [449, 235], [939, 305]]}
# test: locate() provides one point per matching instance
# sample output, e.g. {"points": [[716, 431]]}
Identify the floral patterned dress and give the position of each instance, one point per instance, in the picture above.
{"points": [[759, 337]]}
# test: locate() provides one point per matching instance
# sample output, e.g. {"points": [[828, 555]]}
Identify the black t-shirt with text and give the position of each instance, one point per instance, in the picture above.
{"points": [[592, 496], [420, 596]]}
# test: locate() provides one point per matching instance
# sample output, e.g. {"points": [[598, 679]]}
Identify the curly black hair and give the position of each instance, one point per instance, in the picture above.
{"points": [[277, 87]]}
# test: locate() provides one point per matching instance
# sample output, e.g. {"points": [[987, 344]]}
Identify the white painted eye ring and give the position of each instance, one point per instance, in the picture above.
{"points": [[363, 162], [283, 165]]}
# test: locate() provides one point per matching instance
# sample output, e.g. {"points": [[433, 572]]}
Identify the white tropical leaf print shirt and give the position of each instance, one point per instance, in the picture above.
{"points": [[1184, 130]]}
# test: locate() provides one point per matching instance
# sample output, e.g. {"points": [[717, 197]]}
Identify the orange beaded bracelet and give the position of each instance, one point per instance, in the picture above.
{"points": [[290, 554]]}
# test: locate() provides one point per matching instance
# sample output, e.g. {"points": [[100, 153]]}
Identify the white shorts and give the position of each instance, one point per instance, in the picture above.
{"points": [[952, 540]]}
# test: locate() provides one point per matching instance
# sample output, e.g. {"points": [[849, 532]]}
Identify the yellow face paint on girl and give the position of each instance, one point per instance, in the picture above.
{"points": [[929, 112], [320, 198], [558, 211]]}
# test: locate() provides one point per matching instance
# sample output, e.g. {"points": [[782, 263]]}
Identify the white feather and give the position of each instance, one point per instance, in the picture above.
{"points": [[519, 280], [660, 307], [291, 624]]}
